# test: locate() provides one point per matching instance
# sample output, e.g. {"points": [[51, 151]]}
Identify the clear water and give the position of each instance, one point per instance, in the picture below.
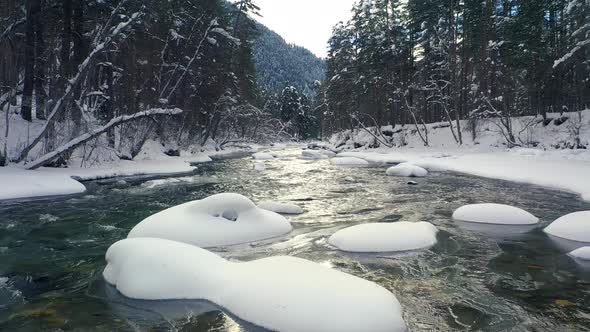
{"points": [[494, 279]]}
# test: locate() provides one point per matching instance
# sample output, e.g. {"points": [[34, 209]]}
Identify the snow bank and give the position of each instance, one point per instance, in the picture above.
{"points": [[262, 156], [574, 227], [312, 155], [581, 253], [499, 214], [385, 237], [219, 220], [276, 293], [407, 170], [349, 161], [283, 208], [16, 183]]}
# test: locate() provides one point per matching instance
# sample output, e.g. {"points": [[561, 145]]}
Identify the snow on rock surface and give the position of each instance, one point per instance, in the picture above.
{"points": [[349, 161], [16, 183], [385, 237], [218, 220], [197, 158], [407, 170], [499, 214], [263, 156], [276, 293], [312, 155], [283, 208], [581, 253], [574, 226]]}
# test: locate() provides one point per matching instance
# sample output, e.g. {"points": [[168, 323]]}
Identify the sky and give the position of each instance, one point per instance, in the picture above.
{"points": [[306, 23]]}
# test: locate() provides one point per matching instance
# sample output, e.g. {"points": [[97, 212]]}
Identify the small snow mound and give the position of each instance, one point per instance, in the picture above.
{"points": [[328, 153], [312, 155], [574, 226], [349, 161], [349, 179], [260, 167], [219, 220], [282, 208], [197, 158], [581, 253], [407, 170], [385, 237], [431, 165], [498, 214], [263, 156], [274, 293]]}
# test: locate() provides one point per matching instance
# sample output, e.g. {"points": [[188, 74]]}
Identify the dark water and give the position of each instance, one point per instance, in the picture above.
{"points": [[495, 279]]}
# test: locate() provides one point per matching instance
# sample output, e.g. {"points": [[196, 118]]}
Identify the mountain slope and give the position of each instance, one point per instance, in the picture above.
{"points": [[278, 63]]}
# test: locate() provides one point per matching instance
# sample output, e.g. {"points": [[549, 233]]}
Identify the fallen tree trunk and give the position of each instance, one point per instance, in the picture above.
{"points": [[71, 145]]}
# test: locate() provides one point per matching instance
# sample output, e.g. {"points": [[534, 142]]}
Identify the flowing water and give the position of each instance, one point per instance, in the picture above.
{"points": [[488, 279]]}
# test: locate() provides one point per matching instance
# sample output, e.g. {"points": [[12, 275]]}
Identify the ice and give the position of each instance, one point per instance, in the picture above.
{"points": [[574, 226], [385, 237], [276, 293], [349, 161], [312, 155], [499, 214], [407, 170], [282, 208], [219, 220]]}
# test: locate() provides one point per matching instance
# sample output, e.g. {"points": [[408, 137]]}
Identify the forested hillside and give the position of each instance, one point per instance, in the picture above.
{"points": [[279, 64], [426, 61]]}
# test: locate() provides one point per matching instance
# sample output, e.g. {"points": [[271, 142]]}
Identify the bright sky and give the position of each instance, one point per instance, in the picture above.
{"points": [[306, 23]]}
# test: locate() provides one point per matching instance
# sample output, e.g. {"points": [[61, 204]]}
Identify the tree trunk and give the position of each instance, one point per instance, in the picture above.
{"points": [[40, 63], [27, 98]]}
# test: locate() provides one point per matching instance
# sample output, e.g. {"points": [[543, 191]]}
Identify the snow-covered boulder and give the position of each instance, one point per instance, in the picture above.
{"points": [[498, 214], [349, 161], [431, 165], [385, 237], [283, 208], [196, 158], [574, 227], [276, 293], [262, 156], [219, 220], [407, 170], [312, 155], [581, 253]]}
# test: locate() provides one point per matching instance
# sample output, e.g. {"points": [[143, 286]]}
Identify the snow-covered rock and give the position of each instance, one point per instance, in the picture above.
{"points": [[260, 167], [312, 155], [581, 253], [328, 153], [219, 220], [499, 214], [385, 237], [197, 158], [349, 161], [263, 156], [574, 226], [431, 165], [283, 208], [16, 183], [407, 170], [276, 293]]}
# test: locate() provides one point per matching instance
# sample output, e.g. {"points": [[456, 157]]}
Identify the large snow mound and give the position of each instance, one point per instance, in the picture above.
{"points": [[263, 156], [499, 214], [581, 253], [574, 226], [283, 208], [312, 155], [407, 170], [385, 237], [219, 220], [276, 293], [349, 161]]}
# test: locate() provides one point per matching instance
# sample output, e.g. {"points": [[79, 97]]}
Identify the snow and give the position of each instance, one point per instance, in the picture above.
{"points": [[581, 253], [385, 237], [263, 156], [349, 161], [328, 153], [276, 293], [196, 158], [260, 167], [574, 226], [498, 214], [407, 170], [312, 155], [17, 183], [283, 208], [218, 220]]}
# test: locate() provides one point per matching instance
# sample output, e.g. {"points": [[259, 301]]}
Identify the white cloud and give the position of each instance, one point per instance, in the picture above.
{"points": [[307, 23]]}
